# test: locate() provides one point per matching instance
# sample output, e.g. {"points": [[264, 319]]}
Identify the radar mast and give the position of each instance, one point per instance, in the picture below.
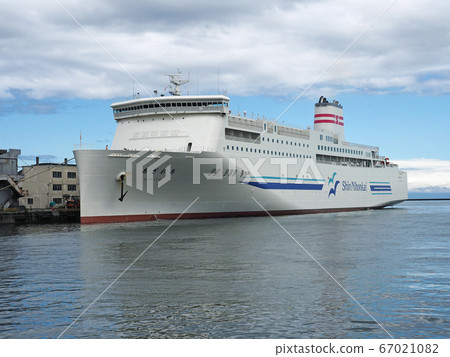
{"points": [[176, 80]]}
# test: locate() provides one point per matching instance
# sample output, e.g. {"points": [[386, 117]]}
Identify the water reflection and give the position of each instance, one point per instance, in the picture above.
{"points": [[232, 278]]}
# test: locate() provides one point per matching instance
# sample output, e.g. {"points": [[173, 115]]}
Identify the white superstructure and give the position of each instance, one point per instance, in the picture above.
{"points": [[171, 151]]}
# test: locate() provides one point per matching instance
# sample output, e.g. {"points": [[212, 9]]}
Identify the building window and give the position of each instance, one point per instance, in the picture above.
{"points": [[57, 187], [57, 200], [71, 188], [57, 174], [71, 175], [30, 201]]}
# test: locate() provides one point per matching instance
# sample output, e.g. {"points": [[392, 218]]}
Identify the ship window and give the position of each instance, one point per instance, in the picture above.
{"points": [[183, 104], [232, 148], [189, 147], [246, 149], [265, 126], [228, 147], [281, 141]]}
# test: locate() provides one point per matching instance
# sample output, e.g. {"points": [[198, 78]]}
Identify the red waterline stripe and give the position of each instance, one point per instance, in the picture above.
{"points": [[328, 121], [172, 216], [328, 116]]}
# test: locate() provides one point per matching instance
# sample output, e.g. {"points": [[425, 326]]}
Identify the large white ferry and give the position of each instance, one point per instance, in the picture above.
{"points": [[175, 154]]}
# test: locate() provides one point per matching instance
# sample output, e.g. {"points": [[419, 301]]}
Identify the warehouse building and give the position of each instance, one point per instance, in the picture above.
{"points": [[48, 185]]}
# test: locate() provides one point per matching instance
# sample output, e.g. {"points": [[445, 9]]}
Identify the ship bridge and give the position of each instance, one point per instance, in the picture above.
{"points": [[171, 105]]}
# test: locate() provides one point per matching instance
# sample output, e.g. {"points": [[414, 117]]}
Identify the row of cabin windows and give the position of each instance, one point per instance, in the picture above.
{"points": [[341, 150], [70, 174], [267, 152], [58, 187], [287, 142], [172, 105]]}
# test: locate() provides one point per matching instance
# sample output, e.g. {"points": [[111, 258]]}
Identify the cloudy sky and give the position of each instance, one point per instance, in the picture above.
{"points": [[62, 63]]}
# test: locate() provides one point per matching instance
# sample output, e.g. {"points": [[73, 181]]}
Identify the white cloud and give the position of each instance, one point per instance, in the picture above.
{"points": [[427, 175], [260, 47]]}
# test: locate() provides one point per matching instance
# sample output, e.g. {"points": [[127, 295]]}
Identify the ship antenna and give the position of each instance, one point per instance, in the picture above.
{"points": [[176, 80]]}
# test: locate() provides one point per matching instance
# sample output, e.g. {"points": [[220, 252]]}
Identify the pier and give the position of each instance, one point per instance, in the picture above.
{"points": [[40, 216]]}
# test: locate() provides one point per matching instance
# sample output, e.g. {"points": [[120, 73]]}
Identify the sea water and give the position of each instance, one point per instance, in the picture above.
{"points": [[344, 275]]}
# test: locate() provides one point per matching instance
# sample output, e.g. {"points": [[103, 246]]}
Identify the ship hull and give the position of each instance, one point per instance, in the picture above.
{"points": [[126, 186]]}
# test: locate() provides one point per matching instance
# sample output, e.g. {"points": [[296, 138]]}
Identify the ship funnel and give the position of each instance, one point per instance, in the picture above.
{"points": [[329, 117]]}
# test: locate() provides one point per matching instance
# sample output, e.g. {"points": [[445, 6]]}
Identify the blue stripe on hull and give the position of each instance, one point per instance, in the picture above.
{"points": [[378, 188], [286, 186]]}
